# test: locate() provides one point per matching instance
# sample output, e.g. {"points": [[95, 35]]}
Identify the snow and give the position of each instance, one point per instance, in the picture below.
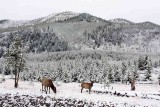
{"points": [[121, 21], [50, 18], [53, 18], [147, 95], [60, 16], [13, 23]]}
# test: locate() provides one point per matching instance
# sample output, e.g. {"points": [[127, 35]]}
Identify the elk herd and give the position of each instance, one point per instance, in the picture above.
{"points": [[47, 84]]}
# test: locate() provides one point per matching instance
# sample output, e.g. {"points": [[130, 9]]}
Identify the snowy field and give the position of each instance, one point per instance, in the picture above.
{"points": [[68, 94]]}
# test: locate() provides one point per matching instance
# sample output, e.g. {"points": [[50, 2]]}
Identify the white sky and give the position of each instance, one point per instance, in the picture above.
{"points": [[133, 10]]}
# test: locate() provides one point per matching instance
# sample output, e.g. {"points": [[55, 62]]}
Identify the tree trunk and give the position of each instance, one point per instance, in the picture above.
{"points": [[16, 80], [15, 85]]}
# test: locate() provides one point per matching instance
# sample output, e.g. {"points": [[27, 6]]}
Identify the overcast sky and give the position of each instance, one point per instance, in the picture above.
{"points": [[133, 10]]}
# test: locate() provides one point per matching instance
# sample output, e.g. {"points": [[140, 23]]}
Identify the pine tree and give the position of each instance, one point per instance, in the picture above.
{"points": [[110, 75], [134, 71], [66, 78], [148, 72], [123, 69], [117, 74], [60, 71], [128, 76], [142, 63], [15, 59], [156, 64]]}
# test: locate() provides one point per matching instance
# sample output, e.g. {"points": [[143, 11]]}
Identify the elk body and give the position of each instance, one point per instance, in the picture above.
{"points": [[87, 86], [47, 84]]}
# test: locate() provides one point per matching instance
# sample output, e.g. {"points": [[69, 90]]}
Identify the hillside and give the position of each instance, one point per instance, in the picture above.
{"points": [[6, 23], [127, 36], [84, 31], [121, 21], [56, 17]]}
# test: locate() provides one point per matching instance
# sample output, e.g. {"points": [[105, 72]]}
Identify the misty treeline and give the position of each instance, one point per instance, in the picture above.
{"points": [[78, 66], [35, 40]]}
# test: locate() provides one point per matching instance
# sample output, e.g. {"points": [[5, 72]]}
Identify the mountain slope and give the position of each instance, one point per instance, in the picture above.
{"points": [[77, 28], [11, 23], [67, 17], [54, 18], [121, 21], [148, 24], [85, 17]]}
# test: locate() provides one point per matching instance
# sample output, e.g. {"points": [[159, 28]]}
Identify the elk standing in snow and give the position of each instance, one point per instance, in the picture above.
{"points": [[132, 85], [87, 86], [47, 83]]}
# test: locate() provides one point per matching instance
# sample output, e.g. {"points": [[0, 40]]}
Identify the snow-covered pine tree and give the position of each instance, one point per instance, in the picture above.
{"points": [[123, 70], [110, 75], [135, 70], [15, 58], [59, 71], [66, 73], [104, 68], [117, 73], [148, 71], [128, 76], [155, 64], [142, 63]]}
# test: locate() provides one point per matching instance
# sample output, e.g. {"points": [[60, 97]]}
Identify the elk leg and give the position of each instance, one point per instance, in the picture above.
{"points": [[42, 88], [81, 90], [45, 90], [89, 91], [49, 90]]}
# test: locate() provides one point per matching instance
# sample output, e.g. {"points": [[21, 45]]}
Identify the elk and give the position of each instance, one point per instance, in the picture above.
{"points": [[87, 86], [132, 85], [47, 84]]}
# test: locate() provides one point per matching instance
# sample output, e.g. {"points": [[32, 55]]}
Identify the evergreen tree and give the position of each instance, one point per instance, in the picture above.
{"points": [[117, 74], [155, 64], [123, 69], [128, 77], [59, 71], [148, 71], [142, 63], [110, 75], [135, 72], [66, 78], [15, 59]]}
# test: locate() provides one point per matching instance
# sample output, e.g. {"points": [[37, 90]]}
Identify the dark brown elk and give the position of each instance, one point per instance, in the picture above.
{"points": [[47, 84], [133, 85], [87, 86]]}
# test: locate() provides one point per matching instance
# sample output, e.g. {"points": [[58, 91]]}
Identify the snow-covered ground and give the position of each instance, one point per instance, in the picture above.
{"points": [[117, 94]]}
